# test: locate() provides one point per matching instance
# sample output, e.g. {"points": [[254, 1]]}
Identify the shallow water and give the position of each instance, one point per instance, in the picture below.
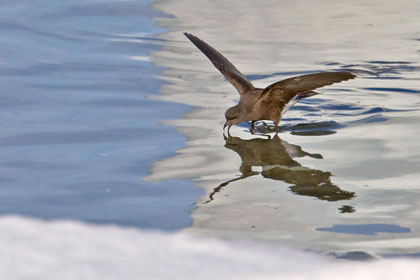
{"points": [[343, 174], [78, 130]]}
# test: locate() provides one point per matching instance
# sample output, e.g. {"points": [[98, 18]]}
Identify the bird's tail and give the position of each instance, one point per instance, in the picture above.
{"points": [[298, 97]]}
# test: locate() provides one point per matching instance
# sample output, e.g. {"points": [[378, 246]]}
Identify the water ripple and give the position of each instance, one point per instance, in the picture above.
{"points": [[402, 90]]}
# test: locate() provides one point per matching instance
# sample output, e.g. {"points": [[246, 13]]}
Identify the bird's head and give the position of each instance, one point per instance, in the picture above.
{"points": [[232, 116]]}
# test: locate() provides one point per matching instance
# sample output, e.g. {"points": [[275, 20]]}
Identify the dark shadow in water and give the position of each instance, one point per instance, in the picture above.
{"points": [[353, 256], [366, 229], [368, 69], [275, 158], [408, 255], [377, 69]]}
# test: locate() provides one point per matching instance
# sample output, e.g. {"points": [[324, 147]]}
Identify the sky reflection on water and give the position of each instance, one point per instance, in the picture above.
{"points": [[78, 128], [366, 129]]}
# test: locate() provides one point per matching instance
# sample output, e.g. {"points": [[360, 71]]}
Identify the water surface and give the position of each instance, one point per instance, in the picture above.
{"points": [[343, 174], [78, 129]]}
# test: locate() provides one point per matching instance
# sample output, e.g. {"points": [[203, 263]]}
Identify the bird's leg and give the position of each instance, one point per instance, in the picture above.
{"points": [[252, 129], [277, 128], [265, 126]]}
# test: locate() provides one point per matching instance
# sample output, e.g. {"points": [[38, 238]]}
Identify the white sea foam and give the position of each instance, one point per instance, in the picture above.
{"points": [[35, 249]]}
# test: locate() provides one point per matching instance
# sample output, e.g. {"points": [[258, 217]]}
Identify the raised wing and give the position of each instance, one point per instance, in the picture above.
{"points": [[287, 89], [225, 67]]}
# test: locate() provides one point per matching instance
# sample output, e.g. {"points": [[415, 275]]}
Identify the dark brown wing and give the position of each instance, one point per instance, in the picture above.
{"points": [[225, 67], [288, 88]]}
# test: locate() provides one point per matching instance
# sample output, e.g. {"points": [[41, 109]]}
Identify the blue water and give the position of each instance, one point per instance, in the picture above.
{"points": [[366, 229], [78, 129]]}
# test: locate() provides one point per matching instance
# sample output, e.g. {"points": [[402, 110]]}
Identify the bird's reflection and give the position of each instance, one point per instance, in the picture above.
{"points": [[274, 158]]}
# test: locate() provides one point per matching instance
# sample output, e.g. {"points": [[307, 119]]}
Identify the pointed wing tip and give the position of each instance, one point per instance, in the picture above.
{"points": [[350, 75], [195, 40], [344, 76], [189, 36]]}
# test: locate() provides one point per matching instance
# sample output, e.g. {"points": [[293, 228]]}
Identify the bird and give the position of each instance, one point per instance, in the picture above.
{"points": [[256, 104]]}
